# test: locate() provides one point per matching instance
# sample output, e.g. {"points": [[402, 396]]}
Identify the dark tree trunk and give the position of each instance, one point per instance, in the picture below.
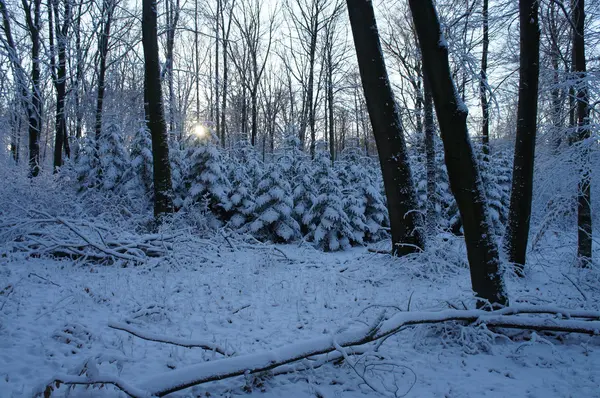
{"points": [[60, 82], [217, 117], [107, 11], [385, 120], [35, 112], [431, 220], [163, 192], [557, 98], [483, 83], [253, 114], [22, 92], [465, 181], [584, 211], [225, 34], [79, 74], [517, 229], [330, 109]]}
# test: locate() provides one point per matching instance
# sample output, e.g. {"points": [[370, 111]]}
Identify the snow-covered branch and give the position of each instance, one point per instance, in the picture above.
{"points": [[206, 345], [510, 317], [45, 235]]}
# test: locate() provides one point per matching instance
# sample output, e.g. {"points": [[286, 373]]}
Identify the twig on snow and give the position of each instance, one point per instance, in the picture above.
{"points": [[142, 334], [576, 287]]}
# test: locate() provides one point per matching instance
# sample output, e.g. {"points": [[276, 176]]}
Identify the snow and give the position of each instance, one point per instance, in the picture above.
{"points": [[57, 315], [219, 287]]}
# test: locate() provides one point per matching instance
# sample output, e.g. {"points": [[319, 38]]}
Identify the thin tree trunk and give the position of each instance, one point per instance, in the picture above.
{"points": [[465, 180], [217, 82], [20, 81], [107, 11], [35, 113], [517, 229], [584, 211], [163, 191], [431, 218], [483, 84], [61, 140], [330, 109], [225, 34], [385, 120]]}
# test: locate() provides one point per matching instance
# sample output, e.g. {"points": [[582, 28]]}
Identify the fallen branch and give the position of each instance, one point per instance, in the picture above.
{"points": [[76, 239], [166, 383], [169, 340]]}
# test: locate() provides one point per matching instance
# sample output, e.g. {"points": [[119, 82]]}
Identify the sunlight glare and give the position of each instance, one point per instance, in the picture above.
{"points": [[200, 130]]}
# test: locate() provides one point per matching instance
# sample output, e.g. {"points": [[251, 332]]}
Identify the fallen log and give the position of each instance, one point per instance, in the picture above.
{"points": [[509, 317]]}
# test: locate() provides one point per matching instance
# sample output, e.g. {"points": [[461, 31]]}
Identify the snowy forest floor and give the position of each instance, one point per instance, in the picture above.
{"points": [[248, 297]]}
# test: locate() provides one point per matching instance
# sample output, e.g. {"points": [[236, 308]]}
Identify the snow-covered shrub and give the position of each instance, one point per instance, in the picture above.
{"points": [[179, 172], [206, 180], [86, 164], [446, 213], [329, 226], [296, 167], [141, 162], [362, 192], [114, 160], [102, 164], [241, 195], [273, 210], [496, 174]]}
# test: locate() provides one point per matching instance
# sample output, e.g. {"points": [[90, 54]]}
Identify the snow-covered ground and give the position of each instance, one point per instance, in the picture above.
{"points": [[54, 316]]}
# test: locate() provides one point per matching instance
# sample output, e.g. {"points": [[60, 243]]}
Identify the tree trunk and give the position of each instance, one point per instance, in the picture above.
{"points": [[385, 120], [217, 118], [107, 12], [225, 34], [61, 140], [517, 229], [465, 181], [35, 112], [163, 192], [330, 109], [431, 218], [22, 92], [483, 83], [584, 211]]}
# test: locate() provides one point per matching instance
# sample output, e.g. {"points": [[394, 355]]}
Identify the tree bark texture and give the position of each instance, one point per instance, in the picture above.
{"points": [[517, 229], [584, 211], [389, 137], [465, 180], [163, 192]]}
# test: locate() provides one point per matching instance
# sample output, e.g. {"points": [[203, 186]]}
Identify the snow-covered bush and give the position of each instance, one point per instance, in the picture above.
{"points": [[273, 210], [297, 168], [206, 180], [362, 192], [241, 195], [329, 226], [142, 162]]}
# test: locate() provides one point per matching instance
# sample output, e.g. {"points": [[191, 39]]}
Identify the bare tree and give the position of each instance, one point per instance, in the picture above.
{"points": [[584, 211], [309, 18], [21, 90], [385, 119], [104, 34], [483, 82], [163, 191], [33, 25], [465, 180], [517, 230], [250, 24], [59, 72]]}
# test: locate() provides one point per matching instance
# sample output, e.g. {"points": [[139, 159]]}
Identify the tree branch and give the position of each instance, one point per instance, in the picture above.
{"points": [[177, 380]]}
